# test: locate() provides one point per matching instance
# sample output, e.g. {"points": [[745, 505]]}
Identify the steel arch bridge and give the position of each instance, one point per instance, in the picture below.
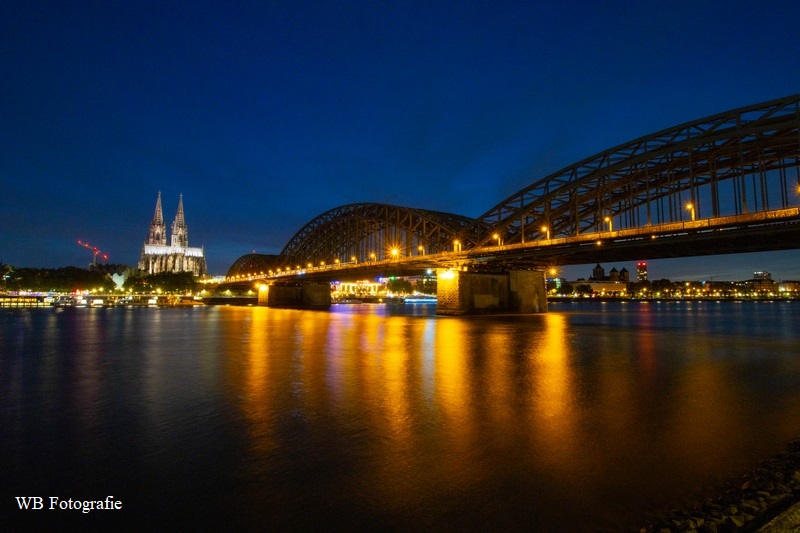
{"points": [[732, 163], [741, 162], [374, 231]]}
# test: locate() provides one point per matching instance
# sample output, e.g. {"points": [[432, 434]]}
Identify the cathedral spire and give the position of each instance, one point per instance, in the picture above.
{"points": [[158, 230], [179, 217], [158, 217], [180, 234]]}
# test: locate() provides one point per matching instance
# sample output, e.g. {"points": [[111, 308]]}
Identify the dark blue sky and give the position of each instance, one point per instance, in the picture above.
{"points": [[266, 114]]}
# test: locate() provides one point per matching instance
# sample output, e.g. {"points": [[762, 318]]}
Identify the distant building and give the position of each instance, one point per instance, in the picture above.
{"points": [[615, 284], [761, 282], [599, 274], [178, 256], [641, 271], [789, 287]]}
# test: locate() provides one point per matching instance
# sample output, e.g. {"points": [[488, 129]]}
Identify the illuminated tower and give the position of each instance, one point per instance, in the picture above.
{"points": [[180, 233], [598, 273], [641, 271], [178, 256], [158, 230]]}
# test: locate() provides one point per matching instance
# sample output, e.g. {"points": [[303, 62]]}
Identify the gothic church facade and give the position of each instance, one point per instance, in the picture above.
{"points": [[177, 256]]}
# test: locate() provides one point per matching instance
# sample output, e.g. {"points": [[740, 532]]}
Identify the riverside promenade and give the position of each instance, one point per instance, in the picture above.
{"points": [[789, 520]]}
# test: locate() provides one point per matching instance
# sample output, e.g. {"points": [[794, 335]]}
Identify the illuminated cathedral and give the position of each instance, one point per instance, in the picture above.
{"points": [[177, 256]]}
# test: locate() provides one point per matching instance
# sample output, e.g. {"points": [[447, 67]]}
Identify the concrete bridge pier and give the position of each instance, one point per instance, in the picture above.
{"points": [[263, 294], [298, 295], [463, 292]]}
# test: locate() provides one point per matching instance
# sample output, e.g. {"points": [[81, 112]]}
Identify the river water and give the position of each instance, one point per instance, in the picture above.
{"points": [[590, 417]]}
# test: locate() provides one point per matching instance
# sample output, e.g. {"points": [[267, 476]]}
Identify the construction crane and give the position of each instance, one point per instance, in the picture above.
{"points": [[95, 251]]}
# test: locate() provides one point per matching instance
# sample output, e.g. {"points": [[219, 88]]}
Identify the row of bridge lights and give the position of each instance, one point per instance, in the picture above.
{"points": [[544, 229], [608, 220], [395, 252]]}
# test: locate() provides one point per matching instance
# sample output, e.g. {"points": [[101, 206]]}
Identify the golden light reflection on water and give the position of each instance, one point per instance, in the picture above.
{"points": [[553, 408], [398, 376], [451, 379], [256, 401], [404, 411], [498, 363]]}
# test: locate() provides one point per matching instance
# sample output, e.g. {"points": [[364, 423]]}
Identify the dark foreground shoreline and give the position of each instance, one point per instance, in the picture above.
{"points": [[743, 504]]}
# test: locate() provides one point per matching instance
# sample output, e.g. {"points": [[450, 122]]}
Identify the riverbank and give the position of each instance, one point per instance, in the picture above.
{"points": [[579, 299], [745, 504]]}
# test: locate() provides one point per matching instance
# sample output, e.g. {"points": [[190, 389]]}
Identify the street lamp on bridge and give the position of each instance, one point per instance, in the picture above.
{"points": [[690, 208], [546, 231], [610, 223], [496, 237]]}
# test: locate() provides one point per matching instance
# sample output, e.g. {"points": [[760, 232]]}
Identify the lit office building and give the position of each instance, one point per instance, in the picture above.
{"points": [[641, 271]]}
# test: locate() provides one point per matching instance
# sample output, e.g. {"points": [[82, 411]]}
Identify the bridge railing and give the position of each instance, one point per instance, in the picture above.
{"points": [[668, 228]]}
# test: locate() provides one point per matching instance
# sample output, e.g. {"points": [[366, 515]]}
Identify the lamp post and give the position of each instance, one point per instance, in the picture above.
{"points": [[421, 249], [496, 237], [690, 208], [456, 245], [546, 231], [610, 223]]}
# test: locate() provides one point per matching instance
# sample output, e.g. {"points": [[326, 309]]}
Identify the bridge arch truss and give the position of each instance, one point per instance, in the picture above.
{"points": [[737, 162], [370, 231]]}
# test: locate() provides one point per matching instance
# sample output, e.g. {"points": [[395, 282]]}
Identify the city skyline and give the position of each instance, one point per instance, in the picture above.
{"points": [[264, 117]]}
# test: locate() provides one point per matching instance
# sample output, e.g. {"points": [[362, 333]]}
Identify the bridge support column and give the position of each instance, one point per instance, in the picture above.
{"points": [[469, 293], [303, 295]]}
